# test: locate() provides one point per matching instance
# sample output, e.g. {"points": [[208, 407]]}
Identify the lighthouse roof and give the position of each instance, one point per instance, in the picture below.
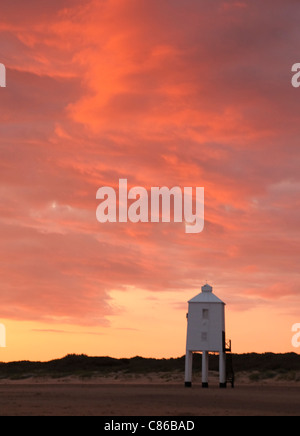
{"points": [[206, 296]]}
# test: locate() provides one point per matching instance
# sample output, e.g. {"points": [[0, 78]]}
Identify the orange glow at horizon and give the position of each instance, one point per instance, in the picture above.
{"points": [[171, 93], [145, 325]]}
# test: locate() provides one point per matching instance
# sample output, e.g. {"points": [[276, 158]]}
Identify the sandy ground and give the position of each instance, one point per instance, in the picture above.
{"points": [[77, 398]]}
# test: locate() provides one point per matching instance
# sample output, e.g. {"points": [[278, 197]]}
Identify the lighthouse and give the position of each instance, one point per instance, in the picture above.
{"points": [[206, 333]]}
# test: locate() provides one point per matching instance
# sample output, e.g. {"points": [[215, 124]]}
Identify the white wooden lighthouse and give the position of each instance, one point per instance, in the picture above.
{"points": [[206, 333]]}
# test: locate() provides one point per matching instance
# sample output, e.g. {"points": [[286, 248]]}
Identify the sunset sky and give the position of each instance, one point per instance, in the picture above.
{"points": [[193, 93]]}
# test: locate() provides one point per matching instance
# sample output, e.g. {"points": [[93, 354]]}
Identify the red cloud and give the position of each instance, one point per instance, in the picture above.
{"points": [[161, 93]]}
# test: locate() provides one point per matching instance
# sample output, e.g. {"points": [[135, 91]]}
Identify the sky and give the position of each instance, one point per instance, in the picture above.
{"points": [[170, 93]]}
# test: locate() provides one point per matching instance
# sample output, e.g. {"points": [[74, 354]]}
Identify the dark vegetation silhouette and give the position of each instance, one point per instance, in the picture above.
{"points": [[84, 366]]}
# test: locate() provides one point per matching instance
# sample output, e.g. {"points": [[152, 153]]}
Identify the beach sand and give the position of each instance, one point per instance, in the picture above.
{"points": [[142, 397]]}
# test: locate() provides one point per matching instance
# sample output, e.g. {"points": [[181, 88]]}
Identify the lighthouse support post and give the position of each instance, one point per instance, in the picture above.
{"points": [[188, 368], [222, 370], [205, 359]]}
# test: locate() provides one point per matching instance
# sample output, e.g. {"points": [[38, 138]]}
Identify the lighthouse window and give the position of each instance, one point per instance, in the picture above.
{"points": [[205, 314]]}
